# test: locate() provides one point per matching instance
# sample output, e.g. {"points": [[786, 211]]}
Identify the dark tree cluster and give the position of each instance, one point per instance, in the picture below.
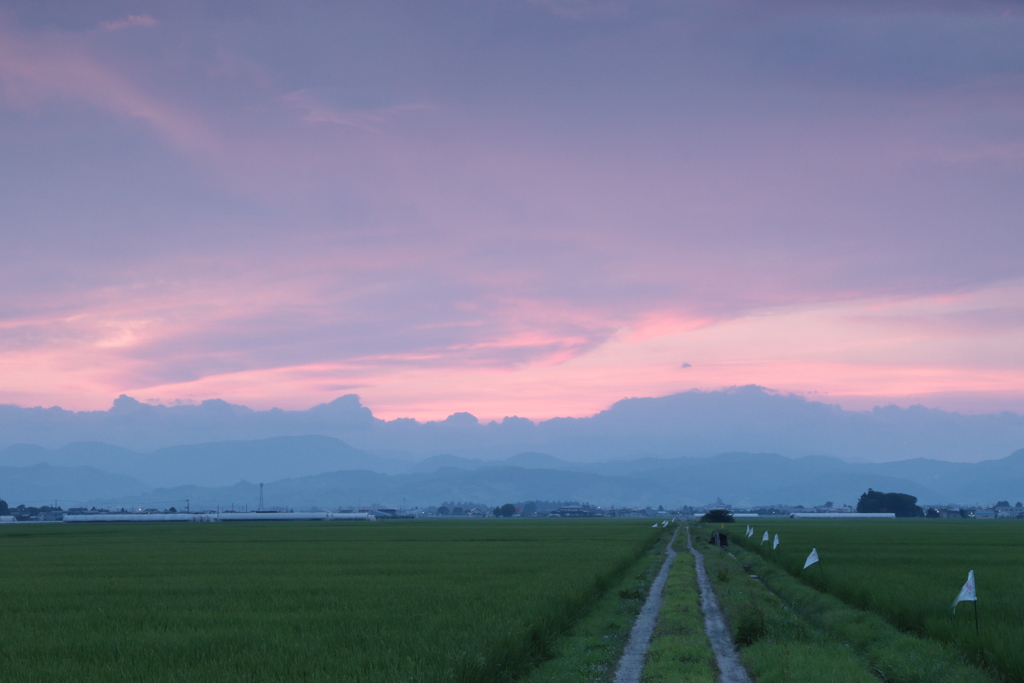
{"points": [[900, 504], [3, 507], [717, 516], [506, 510]]}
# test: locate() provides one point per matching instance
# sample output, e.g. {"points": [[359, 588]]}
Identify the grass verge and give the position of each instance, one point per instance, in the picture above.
{"points": [[789, 631], [590, 651], [909, 570], [680, 651]]}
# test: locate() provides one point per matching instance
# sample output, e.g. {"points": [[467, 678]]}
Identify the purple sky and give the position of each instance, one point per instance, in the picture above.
{"points": [[522, 207]]}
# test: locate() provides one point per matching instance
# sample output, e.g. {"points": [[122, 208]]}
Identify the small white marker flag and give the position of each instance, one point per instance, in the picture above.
{"points": [[812, 558], [765, 537], [750, 532], [968, 592], [665, 523], [775, 543]]}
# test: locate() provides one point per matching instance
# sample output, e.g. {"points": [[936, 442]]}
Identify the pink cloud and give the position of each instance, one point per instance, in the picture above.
{"points": [[828, 352], [547, 244]]}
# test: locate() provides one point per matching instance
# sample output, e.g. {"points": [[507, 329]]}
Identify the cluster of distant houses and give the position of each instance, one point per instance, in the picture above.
{"points": [[999, 511], [1002, 510]]}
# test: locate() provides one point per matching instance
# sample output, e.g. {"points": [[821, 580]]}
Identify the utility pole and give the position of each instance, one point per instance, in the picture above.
{"points": [[187, 506], [261, 497]]}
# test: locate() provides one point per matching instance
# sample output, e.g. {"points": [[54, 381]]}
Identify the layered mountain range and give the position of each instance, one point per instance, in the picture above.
{"points": [[321, 471], [746, 445]]}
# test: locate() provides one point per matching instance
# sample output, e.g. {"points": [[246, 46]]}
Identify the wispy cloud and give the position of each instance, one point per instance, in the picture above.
{"points": [[42, 68], [314, 110], [131, 21], [584, 9]]}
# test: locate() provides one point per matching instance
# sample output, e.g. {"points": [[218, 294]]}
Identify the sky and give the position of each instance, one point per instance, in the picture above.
{"points": [[524, 207]]}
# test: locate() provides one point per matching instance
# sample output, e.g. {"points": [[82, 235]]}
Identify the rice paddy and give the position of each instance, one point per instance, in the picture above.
{"points": [[411, 602]]}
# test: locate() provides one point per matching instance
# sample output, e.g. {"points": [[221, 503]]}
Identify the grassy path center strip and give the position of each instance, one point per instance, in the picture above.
{"points": [[715, 626], [680, 651]]}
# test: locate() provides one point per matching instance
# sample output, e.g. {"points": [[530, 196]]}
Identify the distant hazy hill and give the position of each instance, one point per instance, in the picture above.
{"points": [[694, 423], [43, 484], [739, 478], [321, 471], [211, 464]]}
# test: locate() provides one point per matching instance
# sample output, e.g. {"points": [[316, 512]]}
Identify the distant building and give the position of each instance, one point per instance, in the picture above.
{"points": [[627, 512], [842, 515], [984, 514], [574, 511]]}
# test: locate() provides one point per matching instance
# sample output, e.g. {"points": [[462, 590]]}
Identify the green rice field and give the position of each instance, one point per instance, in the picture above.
{"points": [[909, 571], [478, 600]]}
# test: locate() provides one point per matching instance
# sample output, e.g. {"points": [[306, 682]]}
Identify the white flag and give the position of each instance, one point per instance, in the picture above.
{"points": [[654, 526], [967, 592], [750, 532], [765, 537], [775, 543], [812, 558], [665, 523]]}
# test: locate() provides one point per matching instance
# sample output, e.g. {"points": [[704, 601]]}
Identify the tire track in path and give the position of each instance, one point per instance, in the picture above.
{"points": [[729, 666], [631, 665]]}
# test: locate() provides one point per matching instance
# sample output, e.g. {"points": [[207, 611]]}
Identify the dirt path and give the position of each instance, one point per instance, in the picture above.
{"points": [[728, 660], [632, 663]]}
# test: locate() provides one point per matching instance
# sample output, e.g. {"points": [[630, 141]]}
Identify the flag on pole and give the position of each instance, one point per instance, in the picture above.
{"points": [[812, 558], [765, 537], [775, 543], [750, 532], [654, 526], [665, 523], [967, 593]]}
